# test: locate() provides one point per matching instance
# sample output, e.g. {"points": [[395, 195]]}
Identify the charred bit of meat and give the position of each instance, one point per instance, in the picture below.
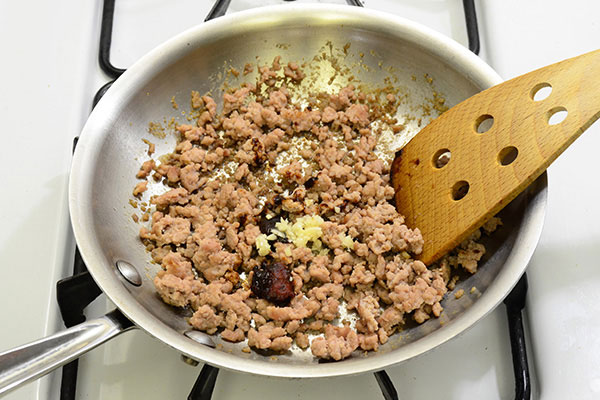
{"points": [[273, 282], [266, 225], [310, 182]]}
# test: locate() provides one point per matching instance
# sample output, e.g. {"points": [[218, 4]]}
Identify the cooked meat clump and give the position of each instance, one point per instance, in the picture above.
{"points": [[273, 282]]}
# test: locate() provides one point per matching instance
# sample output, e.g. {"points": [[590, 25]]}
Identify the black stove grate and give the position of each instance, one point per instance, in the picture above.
{"points": [[75, 293]]}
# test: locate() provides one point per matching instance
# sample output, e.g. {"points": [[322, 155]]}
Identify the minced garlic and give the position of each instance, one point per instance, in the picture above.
{"points": [[317, 246], [347, 241], [305, 229], [262, 245]]}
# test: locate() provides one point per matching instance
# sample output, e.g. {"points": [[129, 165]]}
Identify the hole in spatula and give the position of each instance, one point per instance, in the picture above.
{"points": [[557, 115], [541, 91], [484, 123], [460, 190], [441, 158], [507, 155]]}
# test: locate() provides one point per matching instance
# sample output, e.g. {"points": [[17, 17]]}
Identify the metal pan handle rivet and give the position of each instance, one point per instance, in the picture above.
{"points": [[201, 338], [129, 272]]}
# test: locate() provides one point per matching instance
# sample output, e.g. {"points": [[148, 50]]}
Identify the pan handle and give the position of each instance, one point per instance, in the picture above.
{"points": [[35, 359]]}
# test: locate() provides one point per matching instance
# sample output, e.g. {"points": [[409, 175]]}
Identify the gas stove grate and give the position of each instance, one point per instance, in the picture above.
{"points": [[75, 293]]}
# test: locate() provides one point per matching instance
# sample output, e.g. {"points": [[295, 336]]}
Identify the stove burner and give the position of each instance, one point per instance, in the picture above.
{"points": [[75, 293], [218, 10], [515, 303]]}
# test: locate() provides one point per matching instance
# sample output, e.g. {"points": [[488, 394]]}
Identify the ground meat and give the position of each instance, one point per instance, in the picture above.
{"points": [[233, 336], [145, 169], [172, 290], [300, 308], [168, 230], [173, 196], [293, 173], [278, 212], [211, 260], [151, 146], [469, 255], [368, 309], [140, 188], [338, 343], [302, 340], [319, 272], [492, 224], [292, 71], [269, 337], [358, 114], [206, 319], [390, 318], [248, 68], [196, 100], [368, 342], [176, 264]]}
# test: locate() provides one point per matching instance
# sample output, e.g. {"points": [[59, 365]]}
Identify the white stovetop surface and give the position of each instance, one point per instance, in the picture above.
{"points": [[50, 75]]}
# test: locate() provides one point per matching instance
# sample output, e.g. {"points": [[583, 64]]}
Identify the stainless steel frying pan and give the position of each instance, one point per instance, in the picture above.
{"points": [[104, 166]]}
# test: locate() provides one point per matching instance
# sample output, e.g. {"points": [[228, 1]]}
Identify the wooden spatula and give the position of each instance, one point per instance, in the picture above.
{"points": [[470, 162]]}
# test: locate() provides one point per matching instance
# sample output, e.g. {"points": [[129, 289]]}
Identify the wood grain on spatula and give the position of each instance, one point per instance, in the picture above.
{"points": [[499, 141]]}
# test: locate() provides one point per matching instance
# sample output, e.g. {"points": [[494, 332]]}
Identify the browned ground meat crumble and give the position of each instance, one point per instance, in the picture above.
{"points": [[209, 231]]}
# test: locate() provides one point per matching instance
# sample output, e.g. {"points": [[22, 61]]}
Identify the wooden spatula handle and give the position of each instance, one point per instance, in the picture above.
{"points": [[488, 169]]}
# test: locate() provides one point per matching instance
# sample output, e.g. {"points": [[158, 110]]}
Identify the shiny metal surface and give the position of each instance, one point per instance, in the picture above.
{"points": [[110, 151], [33, 360], [200, 337], [129, 272]]}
